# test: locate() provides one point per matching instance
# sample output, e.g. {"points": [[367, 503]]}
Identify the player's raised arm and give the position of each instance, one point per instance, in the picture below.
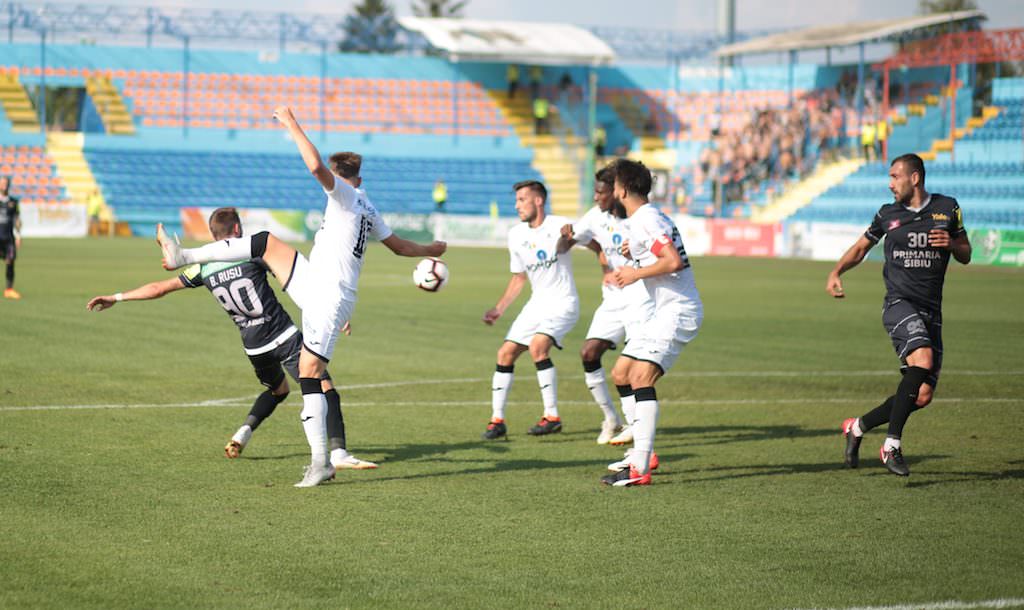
{"points": [[515, 286], [850, 259], [153, 290], [306, 148], [404, 247]]}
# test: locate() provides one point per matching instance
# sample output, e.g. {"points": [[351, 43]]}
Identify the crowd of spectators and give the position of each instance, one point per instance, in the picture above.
{"points": [[775, 145]]}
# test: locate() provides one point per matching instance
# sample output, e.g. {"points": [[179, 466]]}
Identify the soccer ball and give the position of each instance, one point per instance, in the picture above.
{"points": [[430, 274]]}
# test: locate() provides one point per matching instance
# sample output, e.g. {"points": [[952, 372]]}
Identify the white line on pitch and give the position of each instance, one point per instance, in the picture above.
{"points": [[238, 402], [1010, 602]]}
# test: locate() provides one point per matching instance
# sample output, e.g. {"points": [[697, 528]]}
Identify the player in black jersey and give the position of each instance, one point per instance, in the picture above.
{"points": [[921, 231], [10, 233], [270, 338]]}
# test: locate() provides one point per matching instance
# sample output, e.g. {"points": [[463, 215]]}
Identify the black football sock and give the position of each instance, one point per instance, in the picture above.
{"points": [[877, 416], [335, 421], [10, 274], [906, 399], [263, 408]]}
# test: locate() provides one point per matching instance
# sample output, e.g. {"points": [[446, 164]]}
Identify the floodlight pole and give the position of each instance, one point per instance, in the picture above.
{"points": [[184, 87], [885, 110], [42, 79], [860, 90], [588, 175], [323, 90]]}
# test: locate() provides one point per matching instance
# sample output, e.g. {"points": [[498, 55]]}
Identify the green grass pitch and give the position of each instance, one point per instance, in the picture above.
{"points": [[133, 505]]}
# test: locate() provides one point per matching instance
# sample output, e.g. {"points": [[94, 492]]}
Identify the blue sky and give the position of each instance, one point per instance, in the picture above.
{"points": [[660, 14]]}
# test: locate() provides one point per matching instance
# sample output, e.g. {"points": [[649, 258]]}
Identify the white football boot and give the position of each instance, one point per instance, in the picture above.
{"points": [[315, 475], [171, 249], [608, 431]]}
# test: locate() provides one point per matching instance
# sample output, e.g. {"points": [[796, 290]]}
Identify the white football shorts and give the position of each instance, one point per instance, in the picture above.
{"points": [[324, 311], [663, 336], [540, 318], [618, 321]]}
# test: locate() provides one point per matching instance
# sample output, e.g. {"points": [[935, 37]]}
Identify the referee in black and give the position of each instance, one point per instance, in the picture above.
{"points": [[921, 231]]}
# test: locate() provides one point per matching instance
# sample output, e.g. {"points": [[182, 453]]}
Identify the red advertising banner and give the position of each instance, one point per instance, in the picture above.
{"points": [[743, 238]]}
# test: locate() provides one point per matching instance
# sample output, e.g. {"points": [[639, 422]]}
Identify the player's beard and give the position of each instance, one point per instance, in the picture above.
{"points": [[904, 200]]}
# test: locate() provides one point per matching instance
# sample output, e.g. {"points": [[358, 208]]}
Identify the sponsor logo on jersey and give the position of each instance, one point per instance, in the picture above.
{"points": [[894, 224], [940, 217], [541, 255], [616, 239]]}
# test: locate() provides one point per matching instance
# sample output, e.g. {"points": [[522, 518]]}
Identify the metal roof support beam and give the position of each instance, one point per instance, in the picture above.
{"points": [[860, 87]]}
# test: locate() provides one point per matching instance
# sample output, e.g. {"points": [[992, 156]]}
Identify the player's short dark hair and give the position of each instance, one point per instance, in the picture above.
{"points": [[223, 221], [605, 175], [633, 175], [346, 164], [913, 163], [534, 185]]}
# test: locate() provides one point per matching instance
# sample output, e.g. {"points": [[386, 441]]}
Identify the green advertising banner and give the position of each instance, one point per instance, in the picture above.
{"points": [[1001, 247]]}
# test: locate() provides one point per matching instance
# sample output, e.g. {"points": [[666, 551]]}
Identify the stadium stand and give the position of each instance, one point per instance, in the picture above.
{"points": [[146, 187], [980, 173], [35, 180]]}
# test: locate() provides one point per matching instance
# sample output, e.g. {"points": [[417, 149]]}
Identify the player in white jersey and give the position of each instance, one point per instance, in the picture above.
{"points": [[539, 254], [621, 312], [660, 261], [324, 286]]}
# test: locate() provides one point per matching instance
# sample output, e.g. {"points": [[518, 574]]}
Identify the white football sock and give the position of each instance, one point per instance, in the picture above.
{"points": [[548, 381], [501, 384], [891, 443], [314, 424], [599, 390], [242, 436], [234, 249], [628, 408], [643, 434]]}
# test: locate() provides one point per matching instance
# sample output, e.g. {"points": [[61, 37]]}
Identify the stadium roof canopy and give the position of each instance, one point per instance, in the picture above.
{"points": [[844, 35], [511, 41]]}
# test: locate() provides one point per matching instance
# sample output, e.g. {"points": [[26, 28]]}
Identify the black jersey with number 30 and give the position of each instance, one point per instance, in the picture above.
{"points": [[244, 292], [914, 270]]}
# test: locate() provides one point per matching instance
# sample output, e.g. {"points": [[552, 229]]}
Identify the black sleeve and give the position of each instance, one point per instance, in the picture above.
{"points": [[956, 226], [875, 232], [192, 276]]}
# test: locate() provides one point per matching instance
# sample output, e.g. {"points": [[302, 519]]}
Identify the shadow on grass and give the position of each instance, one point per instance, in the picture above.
{"points": [[949, 478], [718, 435]]}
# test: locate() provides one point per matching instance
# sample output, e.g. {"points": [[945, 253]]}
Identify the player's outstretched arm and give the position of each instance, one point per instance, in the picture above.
{"points": [[153, 290], [515, 286], [404, 247], [850, 259], [309, 153]]}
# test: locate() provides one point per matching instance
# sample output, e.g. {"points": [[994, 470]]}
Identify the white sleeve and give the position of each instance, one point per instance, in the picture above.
{"points": [[514, 264], [380, 230], [343, 194], [582, 230]]}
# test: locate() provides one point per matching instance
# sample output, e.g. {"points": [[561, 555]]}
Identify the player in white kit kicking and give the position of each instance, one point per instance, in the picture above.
{"points": [[621, 312], [660, 261], [324, 286], [539, 254]]}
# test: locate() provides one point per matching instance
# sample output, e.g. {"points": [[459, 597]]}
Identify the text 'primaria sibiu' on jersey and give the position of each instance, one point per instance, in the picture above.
{"points": [[914, 270]]}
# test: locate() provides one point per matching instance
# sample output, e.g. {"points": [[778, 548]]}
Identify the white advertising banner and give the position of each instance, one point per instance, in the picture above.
{"points": [[53, 220], [820, 241], [473, 230]]}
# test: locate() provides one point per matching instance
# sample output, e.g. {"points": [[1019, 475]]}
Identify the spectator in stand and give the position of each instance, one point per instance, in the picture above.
{"points": [[541, 107], [512, 74], [536, 75]]}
